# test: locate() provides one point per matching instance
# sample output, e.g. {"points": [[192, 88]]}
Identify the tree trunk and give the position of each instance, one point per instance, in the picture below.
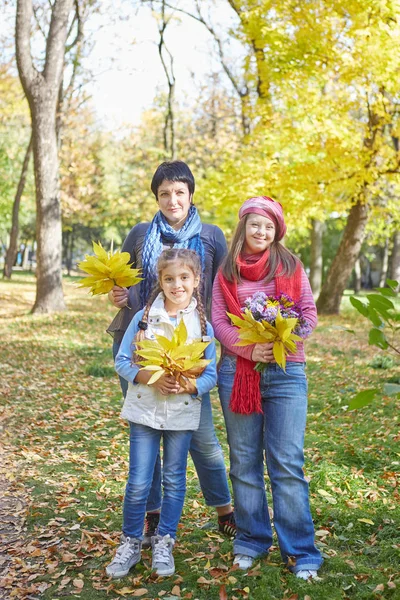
{"points": [[343, 263], [12, 248], [395, 258], [385, 264], [357, 276], [42, 90], [49, 292], [318, 228]]}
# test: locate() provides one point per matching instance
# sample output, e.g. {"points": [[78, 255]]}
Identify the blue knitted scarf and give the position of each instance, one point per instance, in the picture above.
{"points": [[159, 233]]}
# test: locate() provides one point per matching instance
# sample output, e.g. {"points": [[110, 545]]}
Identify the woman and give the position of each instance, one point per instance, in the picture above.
{"points": [[265, 413], [177, 224]]}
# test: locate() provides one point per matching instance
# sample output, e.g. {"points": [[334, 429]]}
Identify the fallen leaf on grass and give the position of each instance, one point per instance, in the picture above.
{"points": [[204, 581], [78, 583], [222, 593], [368, 521], [125, 591], [379, 588], [176, 591]]}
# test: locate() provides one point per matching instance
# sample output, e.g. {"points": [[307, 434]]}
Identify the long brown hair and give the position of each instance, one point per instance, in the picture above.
{"points": [[278, 255], [188, 258]]}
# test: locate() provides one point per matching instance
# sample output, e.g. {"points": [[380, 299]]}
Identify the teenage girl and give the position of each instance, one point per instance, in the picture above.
{"points": [[265, 414], [161, 410]]}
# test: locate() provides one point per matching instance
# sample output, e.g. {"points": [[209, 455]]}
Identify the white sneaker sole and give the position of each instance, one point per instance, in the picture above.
{"points": [[165, 573]]}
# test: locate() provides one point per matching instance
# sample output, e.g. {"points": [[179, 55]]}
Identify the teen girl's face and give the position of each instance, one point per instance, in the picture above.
{"points": [[259, 235], [178, 282], [174, 201]]}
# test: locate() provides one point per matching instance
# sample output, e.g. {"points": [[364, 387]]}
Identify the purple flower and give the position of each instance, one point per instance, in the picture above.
{"points": [[265, 308]]}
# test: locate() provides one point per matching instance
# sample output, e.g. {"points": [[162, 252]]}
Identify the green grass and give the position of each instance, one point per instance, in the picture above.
{"points": [[60, 405]]}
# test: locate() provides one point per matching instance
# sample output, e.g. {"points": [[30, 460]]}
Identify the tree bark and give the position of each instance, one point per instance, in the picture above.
{"points": [[317, 232], [343, 263], [385, 264], [357, 276], [395, 259], [41, 89], [12, 248]]}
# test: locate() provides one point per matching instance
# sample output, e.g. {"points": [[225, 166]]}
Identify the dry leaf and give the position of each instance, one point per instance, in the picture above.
{"points": [[368, 521], [176, 591], [78, 583]]}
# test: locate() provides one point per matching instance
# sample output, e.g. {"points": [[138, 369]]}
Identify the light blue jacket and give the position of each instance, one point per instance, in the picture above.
{"points": [[143, 403]]}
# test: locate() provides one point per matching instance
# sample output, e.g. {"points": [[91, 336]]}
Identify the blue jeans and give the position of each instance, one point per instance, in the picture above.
{"points": [[144, 450], [279, 433], [206, 454]]}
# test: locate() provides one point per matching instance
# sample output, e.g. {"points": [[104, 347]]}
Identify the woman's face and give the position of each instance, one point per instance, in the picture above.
{"points": [[174, 200], [259, 234]]}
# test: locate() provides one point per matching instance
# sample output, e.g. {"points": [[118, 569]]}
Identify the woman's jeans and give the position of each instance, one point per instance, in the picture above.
{"points": [[279, 433], [144, 450], [206, 454]]}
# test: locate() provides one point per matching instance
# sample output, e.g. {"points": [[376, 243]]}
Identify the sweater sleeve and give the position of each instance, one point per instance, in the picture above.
{"points": [[123, 360], [307, 301], [208, 379], [225, 332]]}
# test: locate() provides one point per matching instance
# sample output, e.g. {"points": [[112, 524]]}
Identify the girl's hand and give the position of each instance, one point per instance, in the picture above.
{"points": [[263, 353], [187, 388], [118, 296], [166, 385]]}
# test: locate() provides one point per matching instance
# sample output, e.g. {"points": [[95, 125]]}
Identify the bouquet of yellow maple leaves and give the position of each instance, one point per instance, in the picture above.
{"points": [[274, 319], [107, 269], [177, 357]]}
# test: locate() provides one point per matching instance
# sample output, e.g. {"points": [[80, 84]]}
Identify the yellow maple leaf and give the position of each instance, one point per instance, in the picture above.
{"points": [[177, 356], [107, 269], [260, 332]]}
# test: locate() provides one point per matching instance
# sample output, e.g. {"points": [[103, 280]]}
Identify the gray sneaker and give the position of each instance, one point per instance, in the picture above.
{"points": [[126, 556], [163, 561]]}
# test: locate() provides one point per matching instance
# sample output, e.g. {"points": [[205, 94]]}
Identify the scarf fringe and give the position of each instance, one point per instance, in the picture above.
{"points": [[246, 395]]}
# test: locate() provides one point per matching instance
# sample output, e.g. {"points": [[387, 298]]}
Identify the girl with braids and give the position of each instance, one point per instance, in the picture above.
{"points": [[163, 409], [265, 414], [177, 224]]}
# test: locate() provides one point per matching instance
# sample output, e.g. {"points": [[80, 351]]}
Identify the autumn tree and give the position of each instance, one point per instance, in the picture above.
{"points": [[41, 87]]}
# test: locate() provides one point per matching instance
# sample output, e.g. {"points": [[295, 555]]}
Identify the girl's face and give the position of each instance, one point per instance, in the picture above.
{"points": [[174, 200], [259, 234], [177, 281]]}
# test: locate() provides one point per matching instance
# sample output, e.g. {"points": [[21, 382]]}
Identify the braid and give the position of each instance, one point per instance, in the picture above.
{"points": [[141, 332], [201, 311]]}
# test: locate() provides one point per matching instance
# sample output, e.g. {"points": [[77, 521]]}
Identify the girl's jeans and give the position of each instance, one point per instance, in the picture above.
{"points": [[279, 432], [144, 450], [206, 454]]}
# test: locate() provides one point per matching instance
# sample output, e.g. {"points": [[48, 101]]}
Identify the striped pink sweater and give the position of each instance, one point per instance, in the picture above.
{"points": [[226, 333]]}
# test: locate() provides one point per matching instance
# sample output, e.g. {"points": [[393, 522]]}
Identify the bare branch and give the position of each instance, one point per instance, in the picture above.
{"points": [[79, 31], [241, 90]]}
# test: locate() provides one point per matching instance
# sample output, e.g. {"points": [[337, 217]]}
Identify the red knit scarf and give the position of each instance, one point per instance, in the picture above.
{"points": [[246, 395]]}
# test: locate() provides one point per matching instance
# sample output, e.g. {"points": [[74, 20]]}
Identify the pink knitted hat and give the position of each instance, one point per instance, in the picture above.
{"points": [[267, 207]]}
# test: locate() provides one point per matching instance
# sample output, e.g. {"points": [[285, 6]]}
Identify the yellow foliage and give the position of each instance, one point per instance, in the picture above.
{"points": [[176, 357], [107, 269], [262, 332]]}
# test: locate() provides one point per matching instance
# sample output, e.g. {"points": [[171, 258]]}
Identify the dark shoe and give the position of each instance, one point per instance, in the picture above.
{"points": [[150, 528], [227, 525]]}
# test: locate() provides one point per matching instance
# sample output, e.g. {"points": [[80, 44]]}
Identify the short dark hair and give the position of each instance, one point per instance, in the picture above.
{"points": [[174, 170]]}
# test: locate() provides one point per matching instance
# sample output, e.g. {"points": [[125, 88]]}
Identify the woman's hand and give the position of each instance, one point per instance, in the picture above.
{"points": [[263, 353], [118, 296]]}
